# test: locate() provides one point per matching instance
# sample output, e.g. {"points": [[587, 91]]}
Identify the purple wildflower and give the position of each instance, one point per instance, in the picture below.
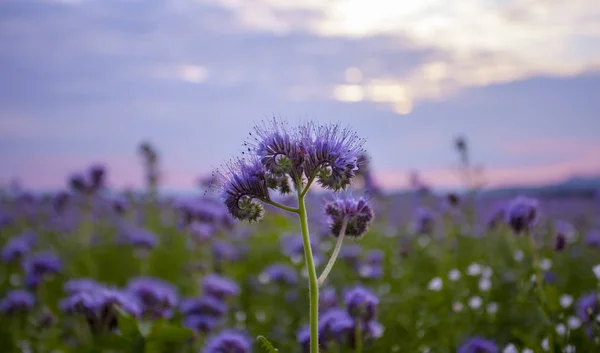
{"points": [[206, 306], [361, 303], [332, 323], [96, 177], [522, 214], [227, 341], [350, 254], [356, 212], [279, 273], [81, 285], [303, 337], [157, 297], [201, 231], [137, 237], [592, 238], [200, 323], [478, 345], [98, 307], [587, 307], [332, 154], [496, 217], [243, 181], [42, 263], [424, 221], [225, 251], [327, 299], [17, 247], [219, 287], [16, 300], [77, 183]]}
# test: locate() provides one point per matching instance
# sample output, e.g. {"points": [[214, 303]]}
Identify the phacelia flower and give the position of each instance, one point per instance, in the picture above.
{"points": [[332, 154], [200, 323], [81, 285], [361, 303], [356, 212], [424, 221], [245, 180], [99, 307], [478, 345], [228, 341], [38, 265], [96, 177], [281, 274], [587, 307], [16, 300], [157, 297], [17, 247], [327, 299], [207, 306], [137, 237], [219, 287], [522, 214]]}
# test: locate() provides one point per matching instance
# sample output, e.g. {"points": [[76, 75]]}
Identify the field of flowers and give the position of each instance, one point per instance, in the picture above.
{"points": [[89, 271]]}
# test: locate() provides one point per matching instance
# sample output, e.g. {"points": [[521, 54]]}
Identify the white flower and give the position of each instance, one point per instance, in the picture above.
{"points": [[475, 302], [569, 348], [561, 329], [533, 278], [545, 344], [457, 307], [574, 322], [454, 274], [566, 300], [545, 264], [518, 255], [492, 308], [511, 348], [484, 284], [596, 270], [474, 269], [423, 240], [527, 350], [435, 284]]}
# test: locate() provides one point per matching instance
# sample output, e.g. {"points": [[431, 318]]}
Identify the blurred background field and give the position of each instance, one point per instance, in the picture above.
{"points": [[115, 114]]}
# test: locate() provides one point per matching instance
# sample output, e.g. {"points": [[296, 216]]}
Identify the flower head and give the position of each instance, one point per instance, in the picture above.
{"points": [[522, 214], [587, 307], [17, 247], [157, 297], [42, 263], [333, 154], [478, 345], [219, 287], [361, 303], [227, 341], [358, 214], [15, 301], [206, 306], [243, 181]]}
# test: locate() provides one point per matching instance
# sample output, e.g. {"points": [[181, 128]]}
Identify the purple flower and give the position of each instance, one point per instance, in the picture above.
{"points": [[356, 212], [332, 154], [361, 303], [137, 237], [522, 214], [350, 254], [424, 221], [303, 337], [332, 324], [225, 251], [587, 307], [478, 345], [227, 341], [205, 306], [96, 177], [496, 217], [81, 285], [592, 238], [327, 299], [219, 287], [17, 247], [157, 297], [200, 323], [98, 307], [77, 183], [281, 274], [42, 263], [16, 301], [243, 181]]}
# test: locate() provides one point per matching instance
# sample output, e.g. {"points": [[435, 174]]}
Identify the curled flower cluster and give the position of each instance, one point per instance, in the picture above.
{"points": [[280, 157], [358, 214]]}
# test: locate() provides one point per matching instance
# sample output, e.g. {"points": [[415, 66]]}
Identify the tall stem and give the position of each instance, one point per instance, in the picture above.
{"points": [[334, 255], [540, 290], [313, 285]]}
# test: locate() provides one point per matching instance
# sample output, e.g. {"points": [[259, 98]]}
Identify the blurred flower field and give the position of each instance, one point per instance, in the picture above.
{"points": [[89, 271]]}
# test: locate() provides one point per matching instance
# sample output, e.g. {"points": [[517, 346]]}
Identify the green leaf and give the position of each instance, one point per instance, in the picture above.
{"points": [[164, 332], [128, 325], [266, 344]]}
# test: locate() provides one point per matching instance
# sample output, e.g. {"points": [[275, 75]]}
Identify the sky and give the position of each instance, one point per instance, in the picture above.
{"points": [[85, 81]]}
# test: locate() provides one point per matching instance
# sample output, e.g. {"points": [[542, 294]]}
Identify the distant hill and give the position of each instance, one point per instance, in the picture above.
{"points": [[575, 186]]}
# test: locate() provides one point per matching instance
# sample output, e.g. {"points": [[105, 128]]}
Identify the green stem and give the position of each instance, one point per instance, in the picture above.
{"points": [[334, 255], [313, 284], [358, 338], [308, 184], [283, 207], [540, 290]]}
